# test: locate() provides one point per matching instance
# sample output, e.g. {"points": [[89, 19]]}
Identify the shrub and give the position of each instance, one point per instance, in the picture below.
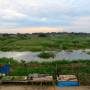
{"points": [[42, 35], [46, 55]]}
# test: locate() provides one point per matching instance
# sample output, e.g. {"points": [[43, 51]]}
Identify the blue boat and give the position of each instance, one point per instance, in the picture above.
{"points": [[67, 83], [67, 80]]}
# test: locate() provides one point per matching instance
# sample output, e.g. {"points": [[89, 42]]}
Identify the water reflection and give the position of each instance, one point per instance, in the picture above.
{"points": [[33, 56]]}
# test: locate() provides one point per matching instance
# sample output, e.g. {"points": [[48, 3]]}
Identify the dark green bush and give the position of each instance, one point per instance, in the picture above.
{"points": [[46, 55]]}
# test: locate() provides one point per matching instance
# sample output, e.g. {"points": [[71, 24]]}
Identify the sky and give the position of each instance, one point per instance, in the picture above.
{"points": [[27, 16]]}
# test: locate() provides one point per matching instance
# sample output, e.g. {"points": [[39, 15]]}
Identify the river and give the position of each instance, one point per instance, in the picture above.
{"points": [[60, 55]]}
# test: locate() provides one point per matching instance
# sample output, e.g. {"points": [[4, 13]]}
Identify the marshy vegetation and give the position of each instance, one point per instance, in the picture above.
{"points": [[46, 55], [88, 53], [64, 67], [44, 42]]}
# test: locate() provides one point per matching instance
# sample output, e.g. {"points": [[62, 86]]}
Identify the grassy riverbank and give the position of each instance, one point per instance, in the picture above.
{"points": [[63, 67], [43, 42]]}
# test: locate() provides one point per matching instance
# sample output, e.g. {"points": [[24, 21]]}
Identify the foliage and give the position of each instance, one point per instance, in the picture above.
{"points": [[46, 55], [45, 42], [64, 67]]}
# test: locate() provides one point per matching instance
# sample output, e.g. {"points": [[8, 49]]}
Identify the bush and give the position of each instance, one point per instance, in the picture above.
{"points": [[42, 35], [46, 55]]}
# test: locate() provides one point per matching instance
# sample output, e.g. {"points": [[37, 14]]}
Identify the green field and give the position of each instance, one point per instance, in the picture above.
{"points": [[50, 42]]}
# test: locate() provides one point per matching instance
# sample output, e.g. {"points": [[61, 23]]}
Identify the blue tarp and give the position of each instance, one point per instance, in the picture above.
{"points": [[67, 83], [4, 68]]}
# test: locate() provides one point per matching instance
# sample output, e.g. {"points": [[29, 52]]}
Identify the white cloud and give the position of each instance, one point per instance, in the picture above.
{"points": [[11, 14], [82, 21], [10, 10], [45, 12], [80, 24], [36, 7]]}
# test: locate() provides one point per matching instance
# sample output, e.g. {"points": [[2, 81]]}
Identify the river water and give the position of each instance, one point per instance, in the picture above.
{"points": [[60, 55]]}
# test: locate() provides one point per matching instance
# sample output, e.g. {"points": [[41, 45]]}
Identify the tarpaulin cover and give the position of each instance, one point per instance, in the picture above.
{"points": [[67, 83], [4, 68]]}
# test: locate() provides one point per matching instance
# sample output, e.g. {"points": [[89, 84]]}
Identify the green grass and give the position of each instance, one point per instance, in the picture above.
{"points": [[64, 67], [88, 53], [47, 43]]}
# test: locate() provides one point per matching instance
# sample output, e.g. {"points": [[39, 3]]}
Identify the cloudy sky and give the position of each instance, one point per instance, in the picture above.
{"points": [[26, 16]]}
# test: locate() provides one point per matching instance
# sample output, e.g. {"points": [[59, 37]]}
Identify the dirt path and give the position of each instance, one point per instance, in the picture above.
{"points": [[74, 88], [25, 87]]}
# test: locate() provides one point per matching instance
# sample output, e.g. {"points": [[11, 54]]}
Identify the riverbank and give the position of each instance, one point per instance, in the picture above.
{"points": [[24, 68], [26, 87]]}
